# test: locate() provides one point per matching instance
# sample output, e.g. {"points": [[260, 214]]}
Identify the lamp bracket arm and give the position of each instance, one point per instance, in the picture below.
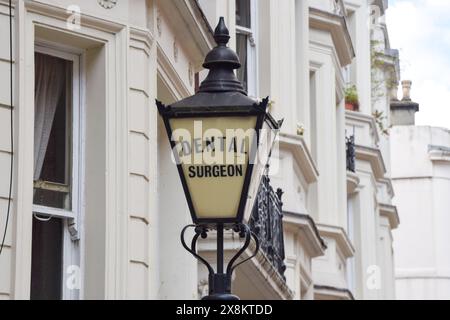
{"points": [[193, 250], [245, 231]]}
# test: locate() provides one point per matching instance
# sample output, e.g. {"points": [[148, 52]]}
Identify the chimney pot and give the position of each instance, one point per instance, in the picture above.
{"points": [[406, 85]]}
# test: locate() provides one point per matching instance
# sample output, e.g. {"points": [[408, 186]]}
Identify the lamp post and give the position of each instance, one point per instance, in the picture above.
{"points": [[221, 141]]}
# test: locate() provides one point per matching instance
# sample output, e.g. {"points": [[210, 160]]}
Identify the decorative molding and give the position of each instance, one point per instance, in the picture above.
{"points": [[61, 13], [175, 50], [297, 146], [374, 157], [390, 212], [439, 153], [272, 276], [388, 183], [332, 293], [343, 242], [405, 105], [143, 36], [352, 182], [158, 23], [194, 7], [170, 75], [337, 27], [107, 4], [305, 226], [188, 20], [337, 8]]}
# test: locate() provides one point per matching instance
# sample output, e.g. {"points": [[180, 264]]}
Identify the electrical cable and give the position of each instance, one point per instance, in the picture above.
{"points": [[12, 132]]}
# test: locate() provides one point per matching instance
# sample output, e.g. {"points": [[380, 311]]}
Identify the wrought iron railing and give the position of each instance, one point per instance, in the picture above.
{"points": [[266, 222], [350, 151]]}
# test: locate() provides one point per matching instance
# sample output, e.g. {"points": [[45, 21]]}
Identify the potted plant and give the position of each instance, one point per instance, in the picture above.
{"points": [[351, 98]]}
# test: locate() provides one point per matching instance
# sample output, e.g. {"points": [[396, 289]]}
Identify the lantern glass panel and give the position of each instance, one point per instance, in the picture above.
{"points": [[214, 153], [267, 136]]}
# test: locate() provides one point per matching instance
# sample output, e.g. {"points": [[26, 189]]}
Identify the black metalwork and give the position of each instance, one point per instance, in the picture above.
{"points": [[350, 152], [266, 222], [220, 281], [220, 95], [221, 61]]}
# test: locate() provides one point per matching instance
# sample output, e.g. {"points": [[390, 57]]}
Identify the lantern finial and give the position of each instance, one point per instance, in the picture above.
{"points": [[221, 34], [221, 61]]}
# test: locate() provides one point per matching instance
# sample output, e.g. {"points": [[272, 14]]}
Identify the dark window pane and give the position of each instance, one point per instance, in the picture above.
{"points": [[243, 13], [54, 168], [241, 50], [53, 150], [50, 198], [47, 257]]}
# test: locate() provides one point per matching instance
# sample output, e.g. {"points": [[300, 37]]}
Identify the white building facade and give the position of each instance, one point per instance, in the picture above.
{"points": [[421, 187], [97, 206]]}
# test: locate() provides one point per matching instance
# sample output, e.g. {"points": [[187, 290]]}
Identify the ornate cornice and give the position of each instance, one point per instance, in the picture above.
{"points": [[374, 157], [390, 212], [337, 26], [305, 225], [297, 146], [62, 14], [340, 236], [186, 16]]}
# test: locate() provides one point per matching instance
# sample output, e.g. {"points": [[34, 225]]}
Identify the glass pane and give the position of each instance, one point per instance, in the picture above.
{"points": [[243, 13], [47, 260], [54, 199], [52, 128], [241, 50]]}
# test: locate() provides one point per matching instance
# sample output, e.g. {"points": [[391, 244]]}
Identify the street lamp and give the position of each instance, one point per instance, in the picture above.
{"points": [[221, 141]]}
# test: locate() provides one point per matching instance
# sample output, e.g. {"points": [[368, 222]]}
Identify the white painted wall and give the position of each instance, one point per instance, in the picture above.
{"points": [[422, 186]]}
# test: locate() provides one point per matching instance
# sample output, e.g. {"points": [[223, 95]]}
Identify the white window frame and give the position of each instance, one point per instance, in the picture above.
{"points": [[72, 230], [252, 52], [347, 75]]}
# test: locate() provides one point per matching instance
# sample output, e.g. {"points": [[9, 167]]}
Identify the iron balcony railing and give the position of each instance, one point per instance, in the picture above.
{"points": [[350, 151], [266, 222]]}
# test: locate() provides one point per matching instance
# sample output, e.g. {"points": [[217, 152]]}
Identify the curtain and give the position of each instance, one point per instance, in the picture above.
{"points": [[243, 13], [49, 85]]}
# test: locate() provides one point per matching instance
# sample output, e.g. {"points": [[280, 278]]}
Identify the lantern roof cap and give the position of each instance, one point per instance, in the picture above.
{"points": [[221, 54], [217, 99], [221, 61]]}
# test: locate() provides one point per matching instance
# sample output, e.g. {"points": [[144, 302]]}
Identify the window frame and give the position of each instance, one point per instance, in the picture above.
{"points": [[72, 226], [252, 52]]}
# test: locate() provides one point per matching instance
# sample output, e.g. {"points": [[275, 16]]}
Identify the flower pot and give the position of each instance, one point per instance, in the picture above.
{"points": [[351, 106]]}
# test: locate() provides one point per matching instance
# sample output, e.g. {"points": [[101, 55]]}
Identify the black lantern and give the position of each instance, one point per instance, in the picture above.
{"points": [[221, 141]]}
